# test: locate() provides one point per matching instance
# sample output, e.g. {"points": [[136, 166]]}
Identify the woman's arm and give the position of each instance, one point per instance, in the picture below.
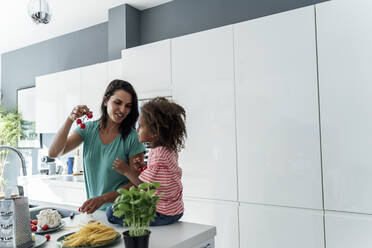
{"points": [[61, 144]]}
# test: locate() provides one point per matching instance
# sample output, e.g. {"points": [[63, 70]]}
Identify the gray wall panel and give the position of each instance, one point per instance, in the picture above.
{"points": [[181, 17], [80, 48]]}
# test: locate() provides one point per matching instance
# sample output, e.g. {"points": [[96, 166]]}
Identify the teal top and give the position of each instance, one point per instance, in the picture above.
{"points": [[98, 159]]}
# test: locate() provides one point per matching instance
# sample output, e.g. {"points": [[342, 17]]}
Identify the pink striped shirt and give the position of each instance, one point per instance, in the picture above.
{"points": [[162, 167]]}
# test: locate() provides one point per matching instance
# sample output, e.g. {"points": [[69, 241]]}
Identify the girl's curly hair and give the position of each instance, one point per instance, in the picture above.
{"points": [[166, 120]]}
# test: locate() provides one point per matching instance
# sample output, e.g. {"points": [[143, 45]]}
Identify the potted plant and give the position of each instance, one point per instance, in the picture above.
{"points": [[137, 207], [10, 131]]}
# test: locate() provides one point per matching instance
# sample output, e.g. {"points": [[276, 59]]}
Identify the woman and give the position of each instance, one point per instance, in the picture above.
{"points": [[112, 136]]}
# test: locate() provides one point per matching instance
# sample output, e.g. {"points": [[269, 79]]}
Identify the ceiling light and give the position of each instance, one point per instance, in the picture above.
{"points": [[39, 11]]}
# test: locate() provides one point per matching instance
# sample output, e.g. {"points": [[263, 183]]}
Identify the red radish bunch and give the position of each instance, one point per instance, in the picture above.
{"points": [[84, 119]]}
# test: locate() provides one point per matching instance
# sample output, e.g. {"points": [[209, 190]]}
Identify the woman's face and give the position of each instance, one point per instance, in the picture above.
{"points": [[119, 106], [144, 134]]}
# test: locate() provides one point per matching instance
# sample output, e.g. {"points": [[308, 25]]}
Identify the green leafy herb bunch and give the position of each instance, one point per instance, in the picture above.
{"points": [[137, 207]]}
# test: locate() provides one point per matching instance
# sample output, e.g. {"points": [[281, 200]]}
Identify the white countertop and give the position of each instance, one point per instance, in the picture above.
{"points": [[177, 235]]}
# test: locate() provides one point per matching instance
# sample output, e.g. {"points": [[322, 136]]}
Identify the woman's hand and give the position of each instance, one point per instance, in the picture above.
{"points": [[120, 166], [78, 112], [91, 205]]}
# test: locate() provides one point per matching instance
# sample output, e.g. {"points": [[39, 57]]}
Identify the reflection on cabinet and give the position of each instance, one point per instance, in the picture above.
{"points": [[203, 82], [148, 69], [56, 95], [94, 80], [277, 110], [223, 215], [345, 52], [272, 227]]}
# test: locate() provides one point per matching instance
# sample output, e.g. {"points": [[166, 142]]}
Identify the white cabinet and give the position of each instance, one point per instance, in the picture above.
{"points": [[94, 80], [278, 147], [46, 113], [148, 69], [203, 83], [56, 95], [345, 52], [115, 69], [273, 227], [344, 230], [223, 215]]}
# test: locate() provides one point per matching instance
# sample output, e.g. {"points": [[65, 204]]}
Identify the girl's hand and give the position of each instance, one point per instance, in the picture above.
{"points": [[120, 166], [78, 112], [138, 164]]}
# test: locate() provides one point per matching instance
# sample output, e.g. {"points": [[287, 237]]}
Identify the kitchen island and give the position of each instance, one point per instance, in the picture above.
{"points": [[42, 193], [178, 235]]}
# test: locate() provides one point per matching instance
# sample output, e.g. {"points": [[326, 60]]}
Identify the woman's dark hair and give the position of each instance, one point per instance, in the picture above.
{"points": [[130, 121], [166, 120]]}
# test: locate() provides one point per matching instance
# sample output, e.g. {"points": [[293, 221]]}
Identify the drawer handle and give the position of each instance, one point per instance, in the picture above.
{"points": [[6, 238], [3, 213], [207, 246], [3, 226]]}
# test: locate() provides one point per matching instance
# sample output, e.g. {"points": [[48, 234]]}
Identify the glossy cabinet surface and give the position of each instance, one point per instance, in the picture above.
{"points": [[203, 83], [345, 230], [223, 215], [56, 95], [94, 80], [278, 146], [148, 69], [273, 227], [115, 69], [345, 52]]}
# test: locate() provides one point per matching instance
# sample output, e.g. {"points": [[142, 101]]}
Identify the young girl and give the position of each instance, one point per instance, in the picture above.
{"points": [[161, 123]]}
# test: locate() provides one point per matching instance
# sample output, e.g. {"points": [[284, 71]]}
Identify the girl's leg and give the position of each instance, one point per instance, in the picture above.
{"points": [[111, 218], [162, 219]]}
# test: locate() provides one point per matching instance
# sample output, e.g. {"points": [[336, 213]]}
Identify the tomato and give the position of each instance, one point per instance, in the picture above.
{"points": [[47, 236], [45, 227], [82, 126], [78, 121], [34, 222], [34, 228], [90, 115]]}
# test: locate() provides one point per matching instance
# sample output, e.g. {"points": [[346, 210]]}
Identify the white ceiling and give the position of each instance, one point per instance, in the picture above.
{"points": [[17, 29]]}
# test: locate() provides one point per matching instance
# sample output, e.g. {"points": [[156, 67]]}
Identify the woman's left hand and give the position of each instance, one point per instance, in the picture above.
{"points": [[92, 204]]}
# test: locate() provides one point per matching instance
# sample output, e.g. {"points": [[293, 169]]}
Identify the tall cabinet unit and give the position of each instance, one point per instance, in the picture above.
{"points": [[203, 83], [278, 146], [345, 52], [148, 69]]}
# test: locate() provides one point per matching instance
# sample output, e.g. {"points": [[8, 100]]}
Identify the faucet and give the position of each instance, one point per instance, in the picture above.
{"points": [[20, 156]]}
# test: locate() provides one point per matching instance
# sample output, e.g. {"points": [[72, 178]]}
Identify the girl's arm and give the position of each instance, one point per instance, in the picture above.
{"points": [[130, 171]]}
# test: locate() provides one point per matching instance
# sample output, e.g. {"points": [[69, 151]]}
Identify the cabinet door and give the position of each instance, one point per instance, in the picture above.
{"points": [[272, 227], [345, 52], [56, 94], [203, 83], [46, 114], [345, 230], [69, 92], [277, 110], [115, 69], [94, 80], [223, 215], [148, 69]]}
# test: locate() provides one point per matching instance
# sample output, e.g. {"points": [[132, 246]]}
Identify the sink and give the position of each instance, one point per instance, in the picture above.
{"points": [[63, 212]]}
